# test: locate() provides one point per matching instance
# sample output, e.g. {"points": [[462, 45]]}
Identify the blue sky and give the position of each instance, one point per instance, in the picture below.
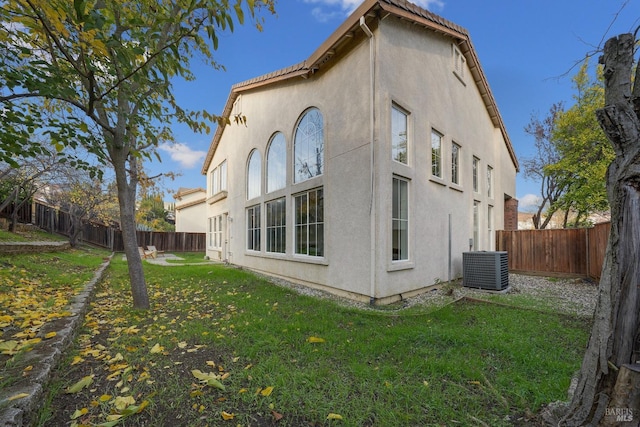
{"points": [[528, 50]]}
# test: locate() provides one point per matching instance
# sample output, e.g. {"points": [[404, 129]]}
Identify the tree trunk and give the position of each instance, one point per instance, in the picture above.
{"points": [[126, 182], [617, 316]]}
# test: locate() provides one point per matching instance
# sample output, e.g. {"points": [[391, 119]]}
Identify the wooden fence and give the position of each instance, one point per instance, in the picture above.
{"points": [[57, 221], [576, 252]]}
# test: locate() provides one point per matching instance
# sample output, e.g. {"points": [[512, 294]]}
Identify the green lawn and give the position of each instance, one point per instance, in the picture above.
{"points": [[273, 355]]}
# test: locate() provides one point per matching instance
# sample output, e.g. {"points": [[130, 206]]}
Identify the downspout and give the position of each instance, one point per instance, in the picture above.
{"points": [[372, 201]]}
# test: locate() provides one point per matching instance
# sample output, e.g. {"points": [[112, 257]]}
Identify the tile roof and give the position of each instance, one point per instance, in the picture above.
{"points": [[402, 9]]}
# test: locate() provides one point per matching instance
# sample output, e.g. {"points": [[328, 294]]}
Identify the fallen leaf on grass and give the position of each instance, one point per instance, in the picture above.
{"points": [[314, 340], [267, 391], [18, 396], [50, 335], [227, 416], [157, 348], [333, 416], [84, 382], [78, 413], [8, 347], [209, 379], [276, 416]]}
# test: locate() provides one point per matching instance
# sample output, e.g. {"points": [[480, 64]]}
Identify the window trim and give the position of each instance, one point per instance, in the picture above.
{"points": [[406, 114], [406, 221], [490, 181], [455, 165], [436, 163], [269, 172], [296, 225], [254, 234], [459, 63], [322, 165], [248, 194], [475, 174], [282, 228]]}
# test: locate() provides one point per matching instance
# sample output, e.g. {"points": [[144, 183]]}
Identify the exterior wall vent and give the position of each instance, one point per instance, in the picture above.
{"points": [[485, 270]]}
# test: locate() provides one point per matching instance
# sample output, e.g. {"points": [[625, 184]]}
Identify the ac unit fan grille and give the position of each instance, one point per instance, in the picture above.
{"points": [[485, 270]]}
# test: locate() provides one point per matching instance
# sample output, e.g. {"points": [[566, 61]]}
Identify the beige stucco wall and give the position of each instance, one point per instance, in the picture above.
{"points": [[191, 212], [414, 70]]}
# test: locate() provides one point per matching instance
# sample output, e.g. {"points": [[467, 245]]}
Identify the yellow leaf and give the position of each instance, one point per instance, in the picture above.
{"points": [[78, 413], [50, 335], [426, 383], [182, 344], [315, 340], [157, 348], [105, 398], [474, 382], [76, 360], [195, 393], [84, 382], [8, 347], [18, 396], [121, 402], [227, 416], [333, 416], [211, 363], [243, 390], [267, 391]]}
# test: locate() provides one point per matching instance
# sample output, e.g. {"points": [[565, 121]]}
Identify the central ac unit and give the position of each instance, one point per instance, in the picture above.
{"points": [[485, 270]]}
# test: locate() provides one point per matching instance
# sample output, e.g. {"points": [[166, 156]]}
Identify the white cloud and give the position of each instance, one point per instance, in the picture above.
{"points": [[184, 155], [348, 6], [529, 202]]}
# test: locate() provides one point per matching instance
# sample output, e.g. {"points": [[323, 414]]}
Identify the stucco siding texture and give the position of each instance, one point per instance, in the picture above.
{"points": [[413, 70]]}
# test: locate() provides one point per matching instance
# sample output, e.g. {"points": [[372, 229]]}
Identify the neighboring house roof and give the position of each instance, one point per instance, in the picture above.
{"points": [[340, 39], [182, 192]]}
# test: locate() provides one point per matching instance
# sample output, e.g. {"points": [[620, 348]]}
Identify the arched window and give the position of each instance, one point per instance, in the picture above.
{"points": [[276, 163], [254, 172], [309, 146]]}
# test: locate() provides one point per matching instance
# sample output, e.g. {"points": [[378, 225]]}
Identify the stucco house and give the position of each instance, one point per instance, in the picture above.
{"points": [[190, 209], [370, 167]]}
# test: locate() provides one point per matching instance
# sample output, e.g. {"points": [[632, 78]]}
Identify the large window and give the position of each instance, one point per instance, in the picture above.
{"points": [[400, 220], [308, 148], [215, 230], [489, 181], [474, 174], [254, 173], [276, 226], [436, 153], [219, 178], [277, 163], [309, 223], [455, 163], [253, 228], [399, 140]]}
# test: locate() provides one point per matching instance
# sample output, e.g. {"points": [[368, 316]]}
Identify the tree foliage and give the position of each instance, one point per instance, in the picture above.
{"points": [[585, 153], [572, 155], [98, 74], [537, 167]]}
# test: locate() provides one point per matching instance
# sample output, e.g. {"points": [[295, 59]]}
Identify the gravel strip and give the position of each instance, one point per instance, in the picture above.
{"points": [[571, 296]]}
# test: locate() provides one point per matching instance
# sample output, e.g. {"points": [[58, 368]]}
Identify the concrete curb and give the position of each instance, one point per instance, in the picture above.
{"points": [[45, 357]]}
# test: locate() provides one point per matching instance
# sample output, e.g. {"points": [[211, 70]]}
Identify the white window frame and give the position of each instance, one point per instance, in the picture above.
{"points": [[436, 153], [276, 226], [254, 189], [400, 216], [399, 145], [254, 228], [475, 171], [309, 134], [459, 62], [316, 222], [455, 163], [489, 182]]}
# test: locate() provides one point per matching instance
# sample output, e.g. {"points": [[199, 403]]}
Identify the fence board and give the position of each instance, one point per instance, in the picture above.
{"points": [[577, 252], [56, 221]]}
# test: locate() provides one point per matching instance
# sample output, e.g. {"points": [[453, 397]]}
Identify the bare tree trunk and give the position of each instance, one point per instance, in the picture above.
{"points": [[127, 202], [617, 317]]}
